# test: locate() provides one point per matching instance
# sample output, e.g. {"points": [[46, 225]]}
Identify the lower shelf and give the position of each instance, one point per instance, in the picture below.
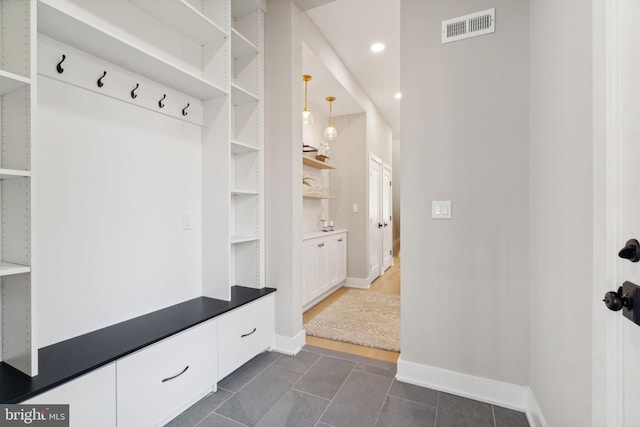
{"points": [[317, 196], [7, 268]]}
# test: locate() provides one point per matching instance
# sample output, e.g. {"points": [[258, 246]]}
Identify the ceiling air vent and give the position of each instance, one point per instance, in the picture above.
{"points": [[472, 25]]}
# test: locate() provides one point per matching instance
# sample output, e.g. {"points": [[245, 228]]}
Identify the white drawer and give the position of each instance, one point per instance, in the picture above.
{"points": [[243, 333], [160, 380], [91, 398]]}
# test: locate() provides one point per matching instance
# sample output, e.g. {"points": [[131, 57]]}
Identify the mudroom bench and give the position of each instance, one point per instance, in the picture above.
{"points": [[154, 365]]}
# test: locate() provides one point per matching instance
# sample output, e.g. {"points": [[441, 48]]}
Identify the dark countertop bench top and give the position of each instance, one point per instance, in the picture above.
{"points": [[69, 359]]}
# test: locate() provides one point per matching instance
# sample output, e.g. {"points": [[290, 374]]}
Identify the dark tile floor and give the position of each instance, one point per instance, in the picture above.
{"points": [[325, 388]]}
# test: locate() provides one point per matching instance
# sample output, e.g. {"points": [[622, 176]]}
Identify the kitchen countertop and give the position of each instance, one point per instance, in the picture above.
{"points": [[319, 233]]}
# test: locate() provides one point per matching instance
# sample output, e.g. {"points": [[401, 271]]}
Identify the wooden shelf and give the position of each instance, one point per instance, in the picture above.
{"points": [[315, 163], [244, 193], [10, 82], [12, 173], [241, 46], [191, 22], [243, 239], [73, 30], [317, 196], [240, 147], [240, 96], [7, 268]]}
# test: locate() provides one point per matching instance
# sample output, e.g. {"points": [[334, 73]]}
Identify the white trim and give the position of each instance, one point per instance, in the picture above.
{"points": [[533, 411], [356, 282], [500, 393], [290, 345]]}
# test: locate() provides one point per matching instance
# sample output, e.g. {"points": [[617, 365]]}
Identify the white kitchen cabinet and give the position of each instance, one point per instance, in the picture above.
{"points": [[157, 382], [324, 266], [91, 398], [244, 333]]}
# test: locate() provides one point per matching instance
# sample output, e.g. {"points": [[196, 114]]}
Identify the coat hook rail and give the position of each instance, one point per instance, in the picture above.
{"points": [[134, 95], [100, 84], [184, 110], [160, 104], [59, 66]]}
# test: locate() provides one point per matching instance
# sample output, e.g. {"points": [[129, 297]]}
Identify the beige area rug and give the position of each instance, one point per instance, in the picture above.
{"points": [[367, 318]]}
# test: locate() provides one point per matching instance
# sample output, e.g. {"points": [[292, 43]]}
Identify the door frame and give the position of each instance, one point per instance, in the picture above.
{"points": [[387, 167], [373, 158], [607, 344]]}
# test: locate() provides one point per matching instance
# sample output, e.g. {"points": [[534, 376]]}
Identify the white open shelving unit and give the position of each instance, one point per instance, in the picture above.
{"points": [[18, 99], [225, 75]]}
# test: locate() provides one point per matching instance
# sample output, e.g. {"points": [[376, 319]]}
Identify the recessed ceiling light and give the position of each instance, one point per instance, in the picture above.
{"points": [[377, 47], [398, 95]]}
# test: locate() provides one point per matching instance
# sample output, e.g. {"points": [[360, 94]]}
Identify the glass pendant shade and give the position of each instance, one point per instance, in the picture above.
{"points": [[307, 117], [330, 133]]}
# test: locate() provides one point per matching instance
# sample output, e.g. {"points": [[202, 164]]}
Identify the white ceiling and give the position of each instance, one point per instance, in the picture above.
{"points": [[352, 26]]}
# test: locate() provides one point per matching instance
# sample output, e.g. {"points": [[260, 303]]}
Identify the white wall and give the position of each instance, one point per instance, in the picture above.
{"points": [[561, 195], [349, 183], [465, 138], [113, 181]]}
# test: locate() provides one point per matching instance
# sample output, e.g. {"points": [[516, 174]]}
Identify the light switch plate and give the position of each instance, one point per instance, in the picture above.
{"points": [[441, 209]]}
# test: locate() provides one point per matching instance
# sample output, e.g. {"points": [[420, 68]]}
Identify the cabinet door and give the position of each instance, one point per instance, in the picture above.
{"points": [[157, 382], [91, 398], [244, 333], [340, 258], [324, 279], [310, 271]]}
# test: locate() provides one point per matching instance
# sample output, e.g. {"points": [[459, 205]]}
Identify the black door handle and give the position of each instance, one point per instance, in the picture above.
{"points": [[379, 225], [385, 224], [631, 251]]}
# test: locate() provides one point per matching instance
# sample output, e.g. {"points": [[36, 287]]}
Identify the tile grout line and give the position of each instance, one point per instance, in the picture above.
{"points": [[255, 376], [305, 373], [384, 402], [214, 409], [435, 421], [493, 413], [337, 392], [412, 401]]}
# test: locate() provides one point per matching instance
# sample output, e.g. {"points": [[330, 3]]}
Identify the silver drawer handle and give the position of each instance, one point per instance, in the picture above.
{"points": [[339, 240], [175, 376], [246, 335], [320, 245]]}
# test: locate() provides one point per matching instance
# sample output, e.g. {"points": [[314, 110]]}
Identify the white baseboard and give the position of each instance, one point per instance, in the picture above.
{"points": [[355, 282], [500, 393], [290, 345], [534, 414]]}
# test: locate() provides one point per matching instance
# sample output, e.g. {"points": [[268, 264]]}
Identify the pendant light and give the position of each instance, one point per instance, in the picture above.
{"points": [[307, 117], [330, 133]]}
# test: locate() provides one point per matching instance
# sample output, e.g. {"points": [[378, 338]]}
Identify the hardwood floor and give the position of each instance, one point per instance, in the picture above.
{"points": [[388, 283]]}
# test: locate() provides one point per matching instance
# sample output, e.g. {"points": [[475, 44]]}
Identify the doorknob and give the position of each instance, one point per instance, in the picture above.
{"points": [[627, 299], [631, 251], [385, 224], [379, 225]]}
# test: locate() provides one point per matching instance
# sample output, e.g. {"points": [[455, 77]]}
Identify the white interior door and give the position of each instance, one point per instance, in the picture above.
{"points": [[630, 158], [619, 339], [375, 220], [387, 228]]}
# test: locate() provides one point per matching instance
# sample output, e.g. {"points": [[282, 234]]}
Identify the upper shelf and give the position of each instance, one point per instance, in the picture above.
{"points": [[240, 96], [91, 38], [10, 82], [315, 163], [238, 147], [240, 8], [241, 46], [191, 22], [7, 268]]}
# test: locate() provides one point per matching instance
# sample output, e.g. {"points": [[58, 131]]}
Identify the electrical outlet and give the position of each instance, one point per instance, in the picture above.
{"points": [[186, 221]]}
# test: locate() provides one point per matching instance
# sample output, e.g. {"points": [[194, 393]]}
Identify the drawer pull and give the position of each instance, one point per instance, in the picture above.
{"points": [[339, 240], [175, 376], [246, 335]]}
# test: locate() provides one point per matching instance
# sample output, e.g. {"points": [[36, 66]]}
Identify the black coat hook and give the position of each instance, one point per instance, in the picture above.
{"points": [[58, 67], [184, 110], [134, 95], [100, 84], [160, 104]]}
